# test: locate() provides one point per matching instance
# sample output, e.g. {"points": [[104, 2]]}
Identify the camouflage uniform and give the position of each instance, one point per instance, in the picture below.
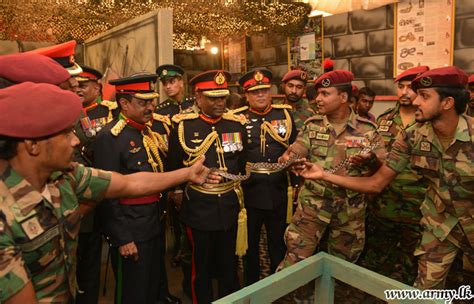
{"points": [[301, 112], [321, 204], [393, 218], [448, 206], [38, 232]]}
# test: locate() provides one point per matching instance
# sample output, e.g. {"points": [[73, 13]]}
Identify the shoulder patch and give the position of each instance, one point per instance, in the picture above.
{"points": [[238, 110], [282, 106], [313, 118], [162, 118], [184, 116], [112, 105], [118, 127], [235, 117]]}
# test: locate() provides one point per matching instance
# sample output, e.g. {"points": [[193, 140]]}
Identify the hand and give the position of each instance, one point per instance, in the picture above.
{"points": [[285, 156], [298, 166], [362, 159], [312, 171], [198, 172], [129, 250], [213, 178]]}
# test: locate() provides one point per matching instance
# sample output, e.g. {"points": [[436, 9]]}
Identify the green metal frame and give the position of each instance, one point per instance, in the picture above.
{"points": [[325, 269]]}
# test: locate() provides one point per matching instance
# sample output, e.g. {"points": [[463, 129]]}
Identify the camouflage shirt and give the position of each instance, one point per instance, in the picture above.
{"points": [[450, 175], [39, 231], [301, 112], [401, 200], [327, 149]]}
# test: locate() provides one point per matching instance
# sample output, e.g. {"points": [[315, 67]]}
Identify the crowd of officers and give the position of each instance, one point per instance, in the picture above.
{"points": [[417, 173]]}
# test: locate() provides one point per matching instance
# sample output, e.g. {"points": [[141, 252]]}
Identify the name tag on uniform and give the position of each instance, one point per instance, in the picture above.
{"points": [[232, 142], [32, 227], [322, 136], [384, 128], [425, 146]]}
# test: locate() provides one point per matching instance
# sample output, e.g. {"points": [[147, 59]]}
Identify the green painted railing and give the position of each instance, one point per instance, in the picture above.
{"points": [[325, 269]]}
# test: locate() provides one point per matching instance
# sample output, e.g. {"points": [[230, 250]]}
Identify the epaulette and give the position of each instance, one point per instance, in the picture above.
{"points": [[162, 105], [118, 127], [362, 119], [235, 117], [387, 111], [190, 99], [112, 105], [282, 106], [184, 116], [162, 118], [314, 117], [238, 110]]}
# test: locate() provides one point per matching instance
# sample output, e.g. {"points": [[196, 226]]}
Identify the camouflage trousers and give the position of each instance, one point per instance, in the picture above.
{"points": [[389, 248], [344, 218], [436, 257]]}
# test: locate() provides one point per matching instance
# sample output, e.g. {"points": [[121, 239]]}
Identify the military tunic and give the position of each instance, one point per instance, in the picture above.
{"points": [[171, 107], [266, 193], [393, 221], [211, 215], [301, 112], [124, 146], [448, 206], [321, 204], [39, 231]]}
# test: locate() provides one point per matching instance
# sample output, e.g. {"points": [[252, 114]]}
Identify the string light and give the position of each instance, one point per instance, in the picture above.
{"points": [[62, 20]]}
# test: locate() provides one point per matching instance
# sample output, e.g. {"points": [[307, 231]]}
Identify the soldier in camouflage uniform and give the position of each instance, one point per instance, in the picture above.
{"points": [[441, 150], [294, 86], [327, 140], [40, 189], [393, 221]]}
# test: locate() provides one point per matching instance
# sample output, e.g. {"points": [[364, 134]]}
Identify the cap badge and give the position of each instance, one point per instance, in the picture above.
{"points": [[258, 76], [426, 81], [164, 72], [326, 82], [303, 76], [219, 79]]}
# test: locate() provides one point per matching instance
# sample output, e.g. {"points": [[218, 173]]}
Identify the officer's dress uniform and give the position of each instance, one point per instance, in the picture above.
{"points": [[127, 147], [211, 214], [171, 107], [266, 191], [92, 120]]}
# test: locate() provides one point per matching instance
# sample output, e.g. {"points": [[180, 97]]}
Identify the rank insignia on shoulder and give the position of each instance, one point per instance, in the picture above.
{"points": [[238, 110], [282, 106], [425, 146], [235, 117], [162, 118], [118, 127], [184, 116], [112, 105]]}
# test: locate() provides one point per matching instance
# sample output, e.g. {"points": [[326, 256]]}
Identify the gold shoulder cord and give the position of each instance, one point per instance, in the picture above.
{"points": [[154, 143], [267, 127], [196, 153]]}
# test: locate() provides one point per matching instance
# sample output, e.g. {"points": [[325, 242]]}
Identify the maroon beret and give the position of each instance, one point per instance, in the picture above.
{"points": [[31, 110], [450, 76], [334, 78], [24, 67], [471, 79], [411, 74], [295, 74]]}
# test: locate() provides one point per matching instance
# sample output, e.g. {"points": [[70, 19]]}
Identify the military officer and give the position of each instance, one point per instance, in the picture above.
{"points": [[93, 118], [135, 141], [393, 221], [328, 139], [211, 214], [268, 193], [294, 86], [40, 188], [440, 149], [171, 77]]}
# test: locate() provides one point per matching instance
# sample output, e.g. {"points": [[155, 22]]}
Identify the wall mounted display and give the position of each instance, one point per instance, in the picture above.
{"points": [[424, 34], [306, 50]]}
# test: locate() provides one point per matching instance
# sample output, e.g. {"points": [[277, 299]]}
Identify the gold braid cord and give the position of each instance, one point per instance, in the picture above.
{"points": [[267, 127], [196, 153], [154, 143]]}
